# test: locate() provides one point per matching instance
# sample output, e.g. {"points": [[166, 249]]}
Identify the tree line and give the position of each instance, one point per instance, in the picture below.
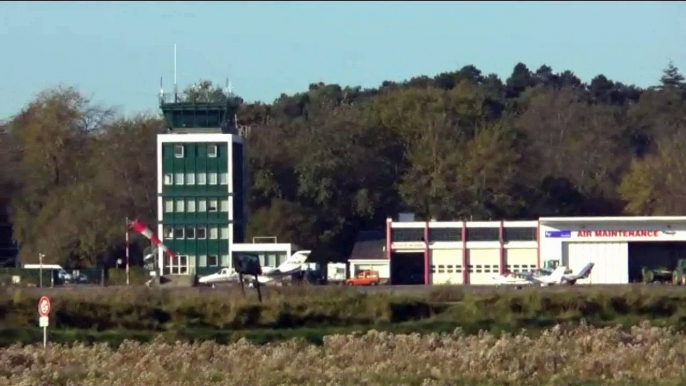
{"points": [[331, 161]]}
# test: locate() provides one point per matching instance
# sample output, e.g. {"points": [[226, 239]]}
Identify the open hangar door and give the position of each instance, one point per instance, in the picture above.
{"points": [[611, 262], [407, 268], [653, 255]]}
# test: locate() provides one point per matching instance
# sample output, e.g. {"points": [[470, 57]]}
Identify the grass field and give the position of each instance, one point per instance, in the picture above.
{"points": [[643, 355], [112, 315]]}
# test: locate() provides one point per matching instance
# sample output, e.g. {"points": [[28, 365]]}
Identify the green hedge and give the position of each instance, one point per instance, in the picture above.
{"points": [[153, 309], [117, 276]]}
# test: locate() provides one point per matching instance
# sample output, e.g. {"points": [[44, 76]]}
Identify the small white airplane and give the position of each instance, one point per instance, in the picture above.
{"points": [[292, 265], [571, 279], [522, 279], [558, 276], [225, 275], [228, 275]]}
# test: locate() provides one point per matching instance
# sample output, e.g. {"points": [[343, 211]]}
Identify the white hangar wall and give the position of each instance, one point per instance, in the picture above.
{"points": [[577, 241]]}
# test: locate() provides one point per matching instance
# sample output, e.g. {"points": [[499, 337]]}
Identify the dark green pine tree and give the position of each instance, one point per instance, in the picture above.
{"points": [[672, 78], [520, 80]]}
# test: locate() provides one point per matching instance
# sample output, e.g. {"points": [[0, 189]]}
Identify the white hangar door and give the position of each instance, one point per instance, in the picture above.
{"points": [[521, 259], [446, 266], [611, 261], [484, 265]]}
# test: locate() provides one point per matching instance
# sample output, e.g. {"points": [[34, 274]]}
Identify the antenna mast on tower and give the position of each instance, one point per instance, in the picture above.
{"points": [[229, 93], [176, 91], [161, 91]]}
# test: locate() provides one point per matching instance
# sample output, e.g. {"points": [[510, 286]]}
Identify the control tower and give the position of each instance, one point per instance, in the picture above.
{"points": [[201, 182]]}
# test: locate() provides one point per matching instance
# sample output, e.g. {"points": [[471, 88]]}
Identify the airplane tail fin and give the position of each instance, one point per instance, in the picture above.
{"points": [[296, 259], [585, 271]]}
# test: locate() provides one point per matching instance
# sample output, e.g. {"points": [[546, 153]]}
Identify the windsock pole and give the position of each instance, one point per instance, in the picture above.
{"points": [[127, 250]]}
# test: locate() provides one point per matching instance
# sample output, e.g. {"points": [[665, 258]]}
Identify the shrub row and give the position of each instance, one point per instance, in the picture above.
{"points": [[137, 276], [152, 309]]}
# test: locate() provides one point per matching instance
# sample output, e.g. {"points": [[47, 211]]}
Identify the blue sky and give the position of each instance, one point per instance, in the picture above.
{"points": [[115, 53]]}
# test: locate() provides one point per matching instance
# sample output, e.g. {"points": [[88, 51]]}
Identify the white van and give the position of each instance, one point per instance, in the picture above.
{"points": [[61, 273]]}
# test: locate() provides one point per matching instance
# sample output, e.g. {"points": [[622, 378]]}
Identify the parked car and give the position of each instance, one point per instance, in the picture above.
{"points": [[364, 278]]}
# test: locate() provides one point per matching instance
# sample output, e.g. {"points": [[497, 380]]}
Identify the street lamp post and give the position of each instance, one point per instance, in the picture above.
{"points": [[40, 259]]}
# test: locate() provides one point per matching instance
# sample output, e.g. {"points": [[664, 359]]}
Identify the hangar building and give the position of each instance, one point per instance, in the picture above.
{"points": [[459, 252], [471, 252], [619, 246]]}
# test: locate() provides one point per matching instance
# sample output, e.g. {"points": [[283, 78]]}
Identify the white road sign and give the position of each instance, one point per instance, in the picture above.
{"points": [[44, 306]]}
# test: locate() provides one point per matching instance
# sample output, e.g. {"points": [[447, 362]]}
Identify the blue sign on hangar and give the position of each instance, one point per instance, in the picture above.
{"points": [[558, 234]]}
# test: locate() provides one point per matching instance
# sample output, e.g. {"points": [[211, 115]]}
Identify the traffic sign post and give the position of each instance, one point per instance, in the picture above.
{"points": [[44, 311]]}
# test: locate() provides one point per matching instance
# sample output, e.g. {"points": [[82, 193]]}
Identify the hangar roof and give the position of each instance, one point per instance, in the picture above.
{"points": [[370, 246], [552, 220]]}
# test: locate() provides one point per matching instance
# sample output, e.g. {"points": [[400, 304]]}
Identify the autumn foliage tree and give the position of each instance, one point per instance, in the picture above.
{"points": [[332, 160]]}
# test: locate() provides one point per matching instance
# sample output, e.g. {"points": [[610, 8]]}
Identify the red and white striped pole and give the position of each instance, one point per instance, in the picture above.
{"points": [[127, 251]]}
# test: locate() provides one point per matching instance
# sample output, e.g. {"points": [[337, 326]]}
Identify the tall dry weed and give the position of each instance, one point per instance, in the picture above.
{"points": [[644, 355]]}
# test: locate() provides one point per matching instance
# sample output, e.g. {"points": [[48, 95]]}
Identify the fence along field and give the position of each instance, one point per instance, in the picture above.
{"points": [[31, 278]]}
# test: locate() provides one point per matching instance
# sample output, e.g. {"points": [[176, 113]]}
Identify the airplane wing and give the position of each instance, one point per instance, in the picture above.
{"points": [[223, 276], [517, 279], [558, 274], [555, 277]]}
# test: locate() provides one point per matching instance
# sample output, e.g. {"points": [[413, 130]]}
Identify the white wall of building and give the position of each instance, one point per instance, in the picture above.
{"points": [[381, 266], [574, 242], [264, 248]]}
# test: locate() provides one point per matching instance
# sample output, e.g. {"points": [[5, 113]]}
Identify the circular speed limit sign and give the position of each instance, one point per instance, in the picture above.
{"points": [[44, 306]]}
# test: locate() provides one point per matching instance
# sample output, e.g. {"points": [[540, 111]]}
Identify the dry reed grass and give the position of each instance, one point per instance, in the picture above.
{"points": [[644, 355]]}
